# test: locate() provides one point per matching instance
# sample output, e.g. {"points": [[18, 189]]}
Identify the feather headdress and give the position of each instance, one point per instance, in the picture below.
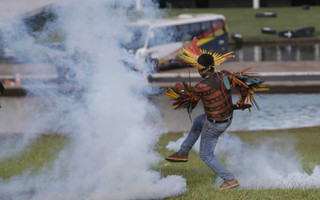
{"points": [[201, 58]]}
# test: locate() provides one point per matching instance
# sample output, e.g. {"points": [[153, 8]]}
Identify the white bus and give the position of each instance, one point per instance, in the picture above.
{"points": [[160, 40]]}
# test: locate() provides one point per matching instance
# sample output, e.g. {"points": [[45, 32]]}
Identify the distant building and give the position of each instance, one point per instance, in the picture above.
{"points": [[233, 3]]}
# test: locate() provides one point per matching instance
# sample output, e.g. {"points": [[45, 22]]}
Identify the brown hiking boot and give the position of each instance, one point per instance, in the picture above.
{"points": [[229, 184], [176, 157]]}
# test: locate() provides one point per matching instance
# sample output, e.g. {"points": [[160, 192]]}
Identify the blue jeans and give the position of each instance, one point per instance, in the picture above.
{"points": [[193, 135], [210, 133]]}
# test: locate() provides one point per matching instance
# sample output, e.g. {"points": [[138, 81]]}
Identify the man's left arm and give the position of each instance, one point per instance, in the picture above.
{"points": [[241, 90], [242, 94]]}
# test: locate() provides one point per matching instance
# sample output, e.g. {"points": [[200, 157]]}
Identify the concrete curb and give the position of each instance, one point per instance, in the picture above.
{"points": [[283, 77]]}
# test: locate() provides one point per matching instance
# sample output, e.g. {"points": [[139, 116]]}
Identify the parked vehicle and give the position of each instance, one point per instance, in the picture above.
{"points": [[302, 32], [159, 41]]}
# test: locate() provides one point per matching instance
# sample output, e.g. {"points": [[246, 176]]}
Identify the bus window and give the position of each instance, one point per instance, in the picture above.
{"points": [[195, 29], [216, 23], [224, 26], [206, 29], [206, 26], [135, 39], [219, 27], [161, 35], [183, 33]]}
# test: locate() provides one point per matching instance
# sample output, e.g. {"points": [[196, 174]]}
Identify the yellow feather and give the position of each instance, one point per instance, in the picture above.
{"points": [[186, 59], [251, 91], [191, 55], [171, 93], [261, 89], [203, 51], [255, 102], [190, 58]]}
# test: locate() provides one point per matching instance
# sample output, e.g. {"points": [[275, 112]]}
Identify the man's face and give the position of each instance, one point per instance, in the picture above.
{"points": [[202, 73]]}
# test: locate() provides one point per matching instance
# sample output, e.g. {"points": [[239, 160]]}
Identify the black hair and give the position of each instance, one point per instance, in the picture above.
{"points": [[205, 60]]}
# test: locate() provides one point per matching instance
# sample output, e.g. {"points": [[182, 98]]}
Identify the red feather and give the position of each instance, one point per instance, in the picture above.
{"points": [[242, 83], [244, 71], [195, 47], [189, 49]]}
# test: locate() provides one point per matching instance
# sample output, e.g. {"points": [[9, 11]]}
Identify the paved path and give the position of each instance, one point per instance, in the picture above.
{"points": [[301, 76], [282, 77]]}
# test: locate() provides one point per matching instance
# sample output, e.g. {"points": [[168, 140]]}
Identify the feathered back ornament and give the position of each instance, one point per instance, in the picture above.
{"points": [[201, 58], [250, 82], [183, 97]]}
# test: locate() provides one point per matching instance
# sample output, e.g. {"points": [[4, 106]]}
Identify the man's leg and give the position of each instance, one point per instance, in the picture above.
{"points": [[209, 138], [193, 135], [186, 146]]}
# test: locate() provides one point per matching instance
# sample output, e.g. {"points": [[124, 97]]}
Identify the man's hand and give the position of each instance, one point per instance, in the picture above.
{"points": [[179, 88], [239, 103], [242, 107]]}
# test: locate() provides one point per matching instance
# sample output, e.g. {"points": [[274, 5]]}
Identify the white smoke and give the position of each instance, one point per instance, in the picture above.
{"points": [[271, 163], [112, 124]]}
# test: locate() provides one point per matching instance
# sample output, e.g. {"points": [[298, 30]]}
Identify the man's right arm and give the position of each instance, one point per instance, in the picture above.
{"points": [[198, 90]]}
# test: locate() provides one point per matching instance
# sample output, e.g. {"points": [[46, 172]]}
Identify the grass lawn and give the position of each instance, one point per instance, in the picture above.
{"points": [[243, 20], [39, 154], [200, 178]]}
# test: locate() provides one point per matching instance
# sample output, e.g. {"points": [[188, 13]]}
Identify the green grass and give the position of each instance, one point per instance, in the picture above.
{"points": [[200, 178], [39, 154], [243, 21], [240, 20], [42, 151]]}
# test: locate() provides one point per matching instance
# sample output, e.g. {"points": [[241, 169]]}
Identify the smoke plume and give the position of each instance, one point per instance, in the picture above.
{"points": [[112, 124], [263, 165]]}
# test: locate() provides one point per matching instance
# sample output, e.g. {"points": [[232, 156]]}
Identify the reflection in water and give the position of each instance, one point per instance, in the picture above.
{"points": [[278, 111], [276, 52]]}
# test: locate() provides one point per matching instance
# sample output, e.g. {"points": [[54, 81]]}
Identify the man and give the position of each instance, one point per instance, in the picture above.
{"points": [[215, 92], [1, 89]]}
